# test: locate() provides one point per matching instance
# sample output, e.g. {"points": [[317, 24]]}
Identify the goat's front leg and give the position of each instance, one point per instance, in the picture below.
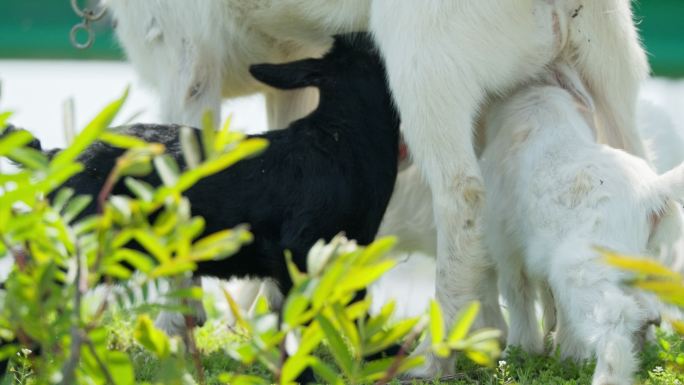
{"points": [[437, 112]]}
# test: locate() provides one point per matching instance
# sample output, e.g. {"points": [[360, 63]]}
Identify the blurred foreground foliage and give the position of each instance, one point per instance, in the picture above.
{"points": [[59, 256], [654, 277]]}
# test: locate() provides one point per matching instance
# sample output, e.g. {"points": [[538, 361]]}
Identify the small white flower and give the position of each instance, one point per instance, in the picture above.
{"points": [[321, 253], [658, 369]]}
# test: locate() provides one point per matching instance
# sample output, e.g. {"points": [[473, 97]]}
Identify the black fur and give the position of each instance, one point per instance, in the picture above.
{"points": [[330, 172]]}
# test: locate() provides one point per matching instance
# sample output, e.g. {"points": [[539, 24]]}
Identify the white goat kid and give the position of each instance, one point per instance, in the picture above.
{"points": [[444, 58], [553, 193]]}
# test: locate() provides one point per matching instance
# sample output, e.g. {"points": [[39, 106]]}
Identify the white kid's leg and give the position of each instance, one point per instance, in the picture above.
{"points": [[599, 314], [519, 294]]}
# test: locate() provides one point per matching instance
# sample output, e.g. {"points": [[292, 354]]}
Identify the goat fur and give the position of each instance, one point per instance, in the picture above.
{"points": [[444, 59], [553, 194]]}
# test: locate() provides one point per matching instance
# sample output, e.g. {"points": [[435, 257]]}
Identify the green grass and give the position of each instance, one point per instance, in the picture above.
{"points": [[519, 368], [658, 361]]}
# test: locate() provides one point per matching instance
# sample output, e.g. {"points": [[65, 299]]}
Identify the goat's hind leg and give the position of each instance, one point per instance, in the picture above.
{"points": [[439, 85], [609, 55]]}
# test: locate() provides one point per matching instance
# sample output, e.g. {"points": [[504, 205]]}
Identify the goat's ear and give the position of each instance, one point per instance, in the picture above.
{"points": [[287, 76], [569, 79]]}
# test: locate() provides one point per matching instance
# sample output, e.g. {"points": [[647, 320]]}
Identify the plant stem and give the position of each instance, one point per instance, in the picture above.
{"points": [[192, 347], [103, 367], [399, 358], [77, 335]]}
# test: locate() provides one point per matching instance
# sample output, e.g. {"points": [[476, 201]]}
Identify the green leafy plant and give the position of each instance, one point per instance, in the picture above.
{"points": [[652, 276], [59, 256], [321, 311]]}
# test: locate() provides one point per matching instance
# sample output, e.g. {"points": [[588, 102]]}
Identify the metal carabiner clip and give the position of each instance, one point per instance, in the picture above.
{"points": [[86, 13], [90, 37], [88, 16]]}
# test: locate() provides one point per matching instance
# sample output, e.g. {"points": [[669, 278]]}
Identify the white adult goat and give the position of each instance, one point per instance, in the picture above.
{"points": [[444, 57]]}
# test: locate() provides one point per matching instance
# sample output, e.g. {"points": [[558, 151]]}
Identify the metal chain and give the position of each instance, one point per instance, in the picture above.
{"points": [[89, 16]]}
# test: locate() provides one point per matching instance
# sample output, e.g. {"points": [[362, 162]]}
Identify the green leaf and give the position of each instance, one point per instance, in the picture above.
{"points": [[225, 136], [365, 276], [168, 169], [136, 259], [348, 328], [29, 158], [382, 340], [678, 326], [142, 190], [117, 271], [249, 147], [121, 368], [377, 250], [411, 363], [326, 372], [338, 348], [89, 134], [295, 306], [8, 351], [190, 147], [165, 223], [62, 198], [151, 338], [220, 245], [208, 134], [479, 358], [637, 265], [293, 367], [172, 268], [242, 379], [669, 291], [376, 370], [235, 309], [13, 141], [121, 205], [396, 333], [4, 117], [76, 207], [297, 276], [377, 322], [122, 141], [436, 323], [187, 293], [463, 323], [57, 177], [152, 244], [138, 168], [311, 339]]}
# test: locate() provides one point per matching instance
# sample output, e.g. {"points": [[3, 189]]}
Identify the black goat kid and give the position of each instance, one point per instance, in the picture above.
{"points": [[330, 172]]}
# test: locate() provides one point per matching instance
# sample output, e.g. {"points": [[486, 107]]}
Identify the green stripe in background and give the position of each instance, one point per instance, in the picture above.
{"points": [[40, 29]]}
